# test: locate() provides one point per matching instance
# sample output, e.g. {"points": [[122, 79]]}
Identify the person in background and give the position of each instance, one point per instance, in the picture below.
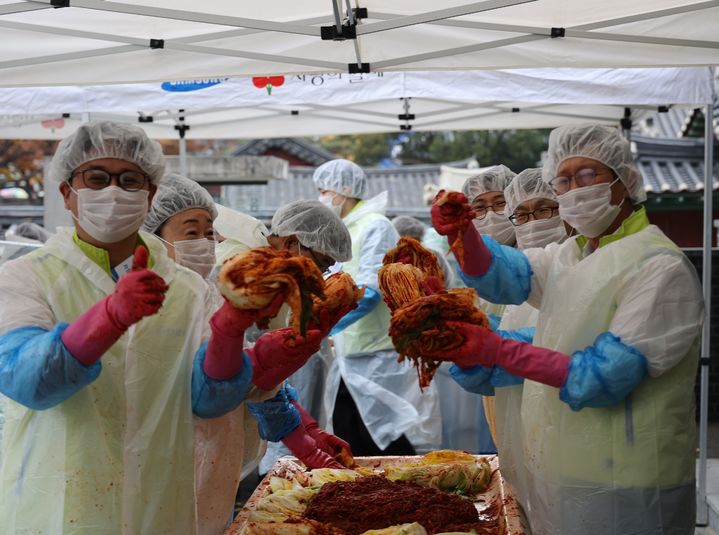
{"points": [[182, 217], [106, 353], [608, 410], [375, 402], [413, 228], [534, 211]]}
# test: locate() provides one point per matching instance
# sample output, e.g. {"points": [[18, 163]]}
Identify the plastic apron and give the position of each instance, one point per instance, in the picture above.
{"points": [[626, 469], [385, 391], [488, 401], [117, 456], [508, 405]]}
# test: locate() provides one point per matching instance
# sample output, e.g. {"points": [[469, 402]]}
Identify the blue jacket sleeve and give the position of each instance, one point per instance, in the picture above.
{"points": [[37, 370], [603, 374], [212, 398], [508, 281], [276, 417], [369, 300], [477, 379]]}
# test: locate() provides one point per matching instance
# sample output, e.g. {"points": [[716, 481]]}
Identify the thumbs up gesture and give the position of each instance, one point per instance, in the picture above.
{"points": [[139, 293]]}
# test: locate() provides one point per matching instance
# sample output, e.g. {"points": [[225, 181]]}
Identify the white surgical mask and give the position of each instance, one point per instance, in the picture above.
{"points": [[540, 233], [328, 200], [197, 255], [110, 214], [498, 226], [589, 209]]}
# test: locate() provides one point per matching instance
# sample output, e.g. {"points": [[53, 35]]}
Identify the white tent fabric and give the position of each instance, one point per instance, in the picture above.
{"points": [[304, 105], [98, 41]]}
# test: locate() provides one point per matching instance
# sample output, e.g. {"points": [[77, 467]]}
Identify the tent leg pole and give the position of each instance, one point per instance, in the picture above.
{"points": [[702, 506], [183, 156]]}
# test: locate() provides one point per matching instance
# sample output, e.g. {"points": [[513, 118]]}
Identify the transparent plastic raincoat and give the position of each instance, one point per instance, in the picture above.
{"points": [[111, 451]]}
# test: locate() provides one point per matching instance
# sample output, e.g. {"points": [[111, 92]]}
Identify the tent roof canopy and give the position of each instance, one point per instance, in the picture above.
{"points": [[99, 41]]}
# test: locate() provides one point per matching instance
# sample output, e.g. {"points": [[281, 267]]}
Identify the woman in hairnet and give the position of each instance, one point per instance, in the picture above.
{"points": [[608, 404], [182, 216], [230, 446], [534, 211], [106, 354], [375, 402]]}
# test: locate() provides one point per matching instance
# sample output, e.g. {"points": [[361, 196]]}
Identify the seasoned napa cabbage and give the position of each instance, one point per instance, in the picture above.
{"points": [[405, 529]]}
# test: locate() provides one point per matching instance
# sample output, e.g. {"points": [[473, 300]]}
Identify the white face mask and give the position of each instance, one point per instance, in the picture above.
{"points": [[540, 233], [498, 226], [110, 214], [197, 255], [589, 209], [328, 200]]}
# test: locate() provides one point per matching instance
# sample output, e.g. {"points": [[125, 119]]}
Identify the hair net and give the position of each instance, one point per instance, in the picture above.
{"points": [[409, 226], [106, 139], [526, 186], [496, 178], [316, 226], [174, 195], [341, 176], [604, 144]]}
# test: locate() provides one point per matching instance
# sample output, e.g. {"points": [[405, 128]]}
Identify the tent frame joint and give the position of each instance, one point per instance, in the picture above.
{"points": [[358, 68], [555, 33], [59, 3], [157, 43], [332, 33], [360, 12]]}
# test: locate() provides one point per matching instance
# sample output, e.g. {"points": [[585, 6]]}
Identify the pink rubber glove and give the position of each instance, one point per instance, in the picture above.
{"points": [[223, 359], [327, 442], [280, 353], [138, 294], [446, 220], [305, 448], [486, 348]]}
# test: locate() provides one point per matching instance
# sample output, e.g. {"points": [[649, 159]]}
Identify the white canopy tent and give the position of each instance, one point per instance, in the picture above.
{"points": [[70, 42], [349, 104]]}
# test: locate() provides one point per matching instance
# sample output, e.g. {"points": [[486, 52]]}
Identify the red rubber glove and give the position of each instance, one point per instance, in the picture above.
{"points": [[327, 442], [138, 294], [446, 220], [305, 448], [280, 353], [223, 358], [486, 348]]}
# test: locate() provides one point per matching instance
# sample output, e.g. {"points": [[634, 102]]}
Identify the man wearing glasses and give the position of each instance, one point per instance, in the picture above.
{"points": [[106, 354], [607, 408]]}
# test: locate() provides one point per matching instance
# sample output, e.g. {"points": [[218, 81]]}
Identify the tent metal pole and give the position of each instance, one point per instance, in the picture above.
{"points": [[21, 7], [69, 56], [702, 507]]}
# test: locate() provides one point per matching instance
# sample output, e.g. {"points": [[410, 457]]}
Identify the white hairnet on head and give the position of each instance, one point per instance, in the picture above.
{"points": [[496, 178], [526, 186], [604, 144], [341, 176], [409, 226], [106, 139], [176, 194], [316, 227]]}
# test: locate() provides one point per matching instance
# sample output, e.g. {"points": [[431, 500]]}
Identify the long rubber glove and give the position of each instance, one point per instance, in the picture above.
{"points": [[138, 294], [306, 449], [446, 220], [486, 348], [224, 357], [327, 442], [280, 353]]}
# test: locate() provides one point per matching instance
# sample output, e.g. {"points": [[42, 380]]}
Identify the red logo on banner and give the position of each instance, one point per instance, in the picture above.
{"points": [[53, 123], [268, 81]]}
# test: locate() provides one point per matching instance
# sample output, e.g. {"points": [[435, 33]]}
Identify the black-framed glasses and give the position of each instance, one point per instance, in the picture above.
{"points": [[583, 177], [482, 211], [99, 179], [545, 212]]}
